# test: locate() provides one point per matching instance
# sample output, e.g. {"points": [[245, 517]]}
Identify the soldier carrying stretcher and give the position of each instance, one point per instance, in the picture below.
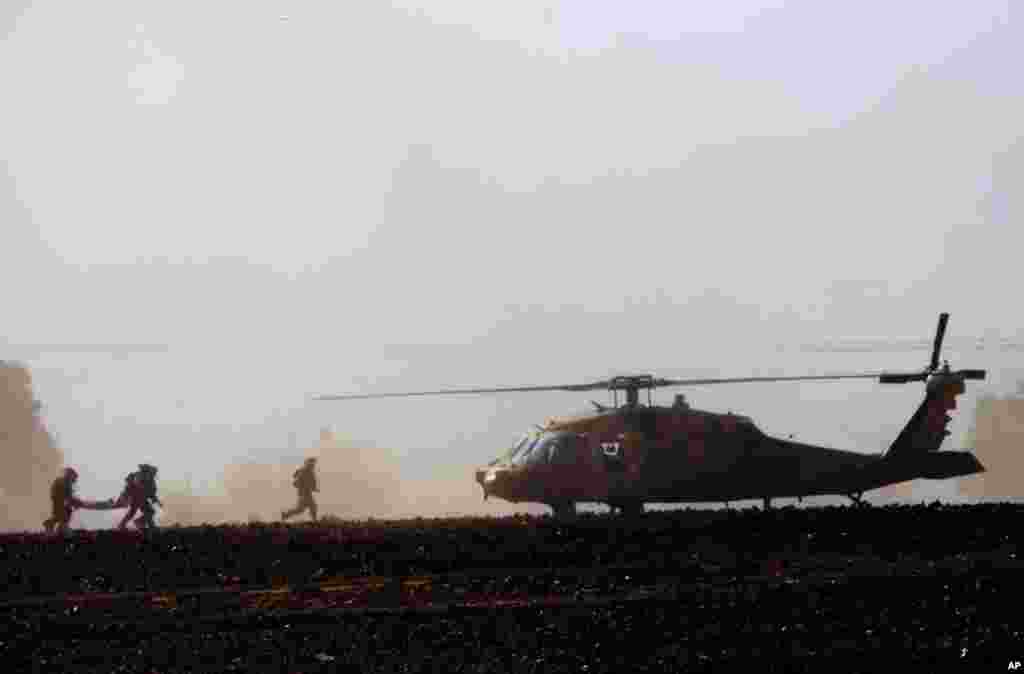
{"points": [[139, 494], [63, 501]]}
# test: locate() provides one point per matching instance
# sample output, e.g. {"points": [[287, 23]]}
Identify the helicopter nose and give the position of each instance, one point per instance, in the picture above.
{"points": [[487, 477]]}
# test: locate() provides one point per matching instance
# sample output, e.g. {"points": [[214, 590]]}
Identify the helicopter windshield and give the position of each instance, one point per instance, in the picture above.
{"points": [[534, 448], [519, 450]]}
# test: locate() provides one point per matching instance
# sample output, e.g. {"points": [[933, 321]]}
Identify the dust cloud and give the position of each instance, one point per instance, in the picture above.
{"points": [[29, 456], [355, 483], [997, 435]]}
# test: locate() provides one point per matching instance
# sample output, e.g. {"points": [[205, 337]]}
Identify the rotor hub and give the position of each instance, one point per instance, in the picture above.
{"points": [[632, 385]]}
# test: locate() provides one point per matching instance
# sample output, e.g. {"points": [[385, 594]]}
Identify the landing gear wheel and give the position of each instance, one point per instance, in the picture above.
{"points": [[563, 509], [630, 509]]}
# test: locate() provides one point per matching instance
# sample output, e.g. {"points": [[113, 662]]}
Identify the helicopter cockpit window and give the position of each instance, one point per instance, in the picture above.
{"points": [[539, 451], [529, 450], [541, 448], [545, 451], [519, 450], [562, 449], [523, 444], [549, 448]]}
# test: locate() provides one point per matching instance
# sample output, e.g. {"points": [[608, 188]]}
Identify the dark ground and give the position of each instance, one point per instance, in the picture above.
{"points": [[842, 589]]}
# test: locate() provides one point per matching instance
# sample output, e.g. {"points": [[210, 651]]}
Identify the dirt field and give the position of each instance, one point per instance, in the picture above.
{"points": [[849, 589]]}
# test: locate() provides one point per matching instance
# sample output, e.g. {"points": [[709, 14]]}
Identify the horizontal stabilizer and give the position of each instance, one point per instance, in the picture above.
{"points": [[930, 466], [946, 465]]}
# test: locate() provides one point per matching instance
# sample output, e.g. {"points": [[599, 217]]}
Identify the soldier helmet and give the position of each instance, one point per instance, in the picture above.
{"points": [[310, 461], [147, 468], [71, 473]]}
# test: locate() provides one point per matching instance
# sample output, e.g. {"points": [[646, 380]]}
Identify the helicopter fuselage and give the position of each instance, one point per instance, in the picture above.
{"points": [[640, 454]]}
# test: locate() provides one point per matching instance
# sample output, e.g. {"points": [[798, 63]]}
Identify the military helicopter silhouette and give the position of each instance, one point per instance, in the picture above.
{"points": [[631, 454]]}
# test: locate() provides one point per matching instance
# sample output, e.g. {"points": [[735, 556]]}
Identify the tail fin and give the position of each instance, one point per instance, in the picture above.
{"points": [[928, 427]]}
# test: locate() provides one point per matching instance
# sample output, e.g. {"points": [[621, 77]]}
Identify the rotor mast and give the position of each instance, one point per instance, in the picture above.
{"points": [[631, 385]]}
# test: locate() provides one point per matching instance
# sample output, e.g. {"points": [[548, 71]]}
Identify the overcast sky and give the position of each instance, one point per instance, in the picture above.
{"points": [[292, 198]]}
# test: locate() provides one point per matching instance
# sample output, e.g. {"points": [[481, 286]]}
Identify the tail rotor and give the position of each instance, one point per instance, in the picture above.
{"points": [[929, 425], [940, 334], [933, 365]]}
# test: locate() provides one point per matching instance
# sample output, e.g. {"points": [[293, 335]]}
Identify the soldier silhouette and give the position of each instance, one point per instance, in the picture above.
{"points": [[64, 502], [304, 481], [139, 495]]}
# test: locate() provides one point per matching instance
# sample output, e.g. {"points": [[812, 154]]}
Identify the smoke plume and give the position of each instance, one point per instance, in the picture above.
{"points": [[29, 457]]}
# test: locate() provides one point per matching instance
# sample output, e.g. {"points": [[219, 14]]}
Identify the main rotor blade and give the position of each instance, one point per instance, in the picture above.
{"points": [[596, 386], [744, 380], [902, 377], [883, 377], [460, 391], [940, 332]]}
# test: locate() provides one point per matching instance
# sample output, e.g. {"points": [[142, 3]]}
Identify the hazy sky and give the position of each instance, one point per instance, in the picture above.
{"points": [[308, 197]]}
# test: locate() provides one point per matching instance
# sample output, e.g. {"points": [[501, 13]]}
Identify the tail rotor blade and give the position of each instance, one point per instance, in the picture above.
{"points": [[940, 333]]}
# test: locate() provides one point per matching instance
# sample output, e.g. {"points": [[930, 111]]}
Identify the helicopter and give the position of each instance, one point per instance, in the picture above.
{"points": [[630, 454]]}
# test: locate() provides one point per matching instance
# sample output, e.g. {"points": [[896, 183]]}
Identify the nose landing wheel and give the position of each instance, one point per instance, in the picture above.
{"points": [[628, 509], [562, 509]]}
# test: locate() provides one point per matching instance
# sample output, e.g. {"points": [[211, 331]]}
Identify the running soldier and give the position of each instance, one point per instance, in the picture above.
{"points": [[304, 481], [139, 495]]}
